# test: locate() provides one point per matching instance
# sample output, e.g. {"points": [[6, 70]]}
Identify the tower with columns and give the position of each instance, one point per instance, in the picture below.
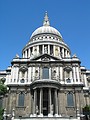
{"points": [[47, 80]]}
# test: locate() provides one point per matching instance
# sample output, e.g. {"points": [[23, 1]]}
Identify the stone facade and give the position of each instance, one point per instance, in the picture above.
{"points": [[47, 80]]}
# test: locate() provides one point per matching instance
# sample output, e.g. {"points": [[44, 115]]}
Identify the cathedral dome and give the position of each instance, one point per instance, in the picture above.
{"points": [[46, 40], [46, 28]]}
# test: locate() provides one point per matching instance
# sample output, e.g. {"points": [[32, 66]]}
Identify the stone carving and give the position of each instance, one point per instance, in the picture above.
{"points": [[17, 56], [53, 73], [45, 49], [45, 59], [36, 110], [52, 109]]}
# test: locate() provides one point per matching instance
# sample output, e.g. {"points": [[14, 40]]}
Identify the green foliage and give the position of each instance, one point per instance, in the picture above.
{"points": [[3, 91], [1, 113], [3, 88], [87, 108]]}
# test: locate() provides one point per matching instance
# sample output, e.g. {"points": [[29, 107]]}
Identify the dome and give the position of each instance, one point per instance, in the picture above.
{"points": [[46, 28]]}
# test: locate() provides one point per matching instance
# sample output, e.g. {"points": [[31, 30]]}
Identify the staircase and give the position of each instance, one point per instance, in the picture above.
{"points": [[47, 118]]}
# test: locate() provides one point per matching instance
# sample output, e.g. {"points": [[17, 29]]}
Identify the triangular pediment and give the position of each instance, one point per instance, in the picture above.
{"points": [[46, 57]]}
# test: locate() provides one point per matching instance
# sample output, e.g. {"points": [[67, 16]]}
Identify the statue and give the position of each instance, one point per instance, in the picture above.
{"points": [[52, 109], [45, 49]]}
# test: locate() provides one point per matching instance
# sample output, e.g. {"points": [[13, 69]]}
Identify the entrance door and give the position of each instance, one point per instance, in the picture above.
{"points": [[45, 102]]}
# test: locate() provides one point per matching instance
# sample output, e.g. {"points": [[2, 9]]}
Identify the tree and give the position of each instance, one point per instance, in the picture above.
{"points": [[3, 88], [1, 113], [3, 91]]}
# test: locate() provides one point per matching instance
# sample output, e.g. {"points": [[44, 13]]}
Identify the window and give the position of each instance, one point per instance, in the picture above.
{"points": [[70, 101], [21, 99], [45, 73]]}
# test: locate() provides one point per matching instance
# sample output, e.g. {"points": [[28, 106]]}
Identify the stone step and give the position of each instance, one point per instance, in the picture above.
{"points": [[47, 118]]}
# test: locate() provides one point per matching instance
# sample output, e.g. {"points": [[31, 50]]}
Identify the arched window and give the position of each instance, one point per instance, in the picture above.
{"points": [[45, 74], [70, 101], [21, 99]]}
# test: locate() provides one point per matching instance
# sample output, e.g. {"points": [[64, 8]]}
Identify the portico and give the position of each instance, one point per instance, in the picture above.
{"points": [[45, 101]]}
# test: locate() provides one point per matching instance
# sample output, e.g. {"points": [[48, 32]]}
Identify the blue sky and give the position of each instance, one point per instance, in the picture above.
{"points": [[19, 18]]}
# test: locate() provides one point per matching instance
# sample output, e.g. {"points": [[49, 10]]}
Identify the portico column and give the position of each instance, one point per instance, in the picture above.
{"points": [[41, 102], [50, 109], [35, 102], [56, 103]]}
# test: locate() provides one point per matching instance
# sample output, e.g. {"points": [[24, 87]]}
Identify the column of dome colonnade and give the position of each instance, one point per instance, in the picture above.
{"points": [[45, 106], [46, 48]]}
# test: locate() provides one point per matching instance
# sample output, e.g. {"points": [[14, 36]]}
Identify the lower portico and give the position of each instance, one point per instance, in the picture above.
{"points": [[45, 100]]}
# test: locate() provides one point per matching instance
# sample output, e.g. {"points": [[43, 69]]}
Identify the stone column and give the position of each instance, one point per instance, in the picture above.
{"points": [[12, 73], [61, 73], [42, 49], [29, 52], [74, 75], [48, 49], [17, 69], [77, 69], [26, 54], [50, 74], [35, 102], [56, 103], [41, 102], [66, 53], [54, 50], [37, 50], [84, 75], [63, 52], [50, 103]]}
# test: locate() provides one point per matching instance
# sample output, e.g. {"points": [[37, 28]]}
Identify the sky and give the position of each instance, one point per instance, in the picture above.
{"points": [[19, 18]]}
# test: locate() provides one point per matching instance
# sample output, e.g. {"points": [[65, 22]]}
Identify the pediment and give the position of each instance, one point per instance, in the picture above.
{"points": [[46, 57]]}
